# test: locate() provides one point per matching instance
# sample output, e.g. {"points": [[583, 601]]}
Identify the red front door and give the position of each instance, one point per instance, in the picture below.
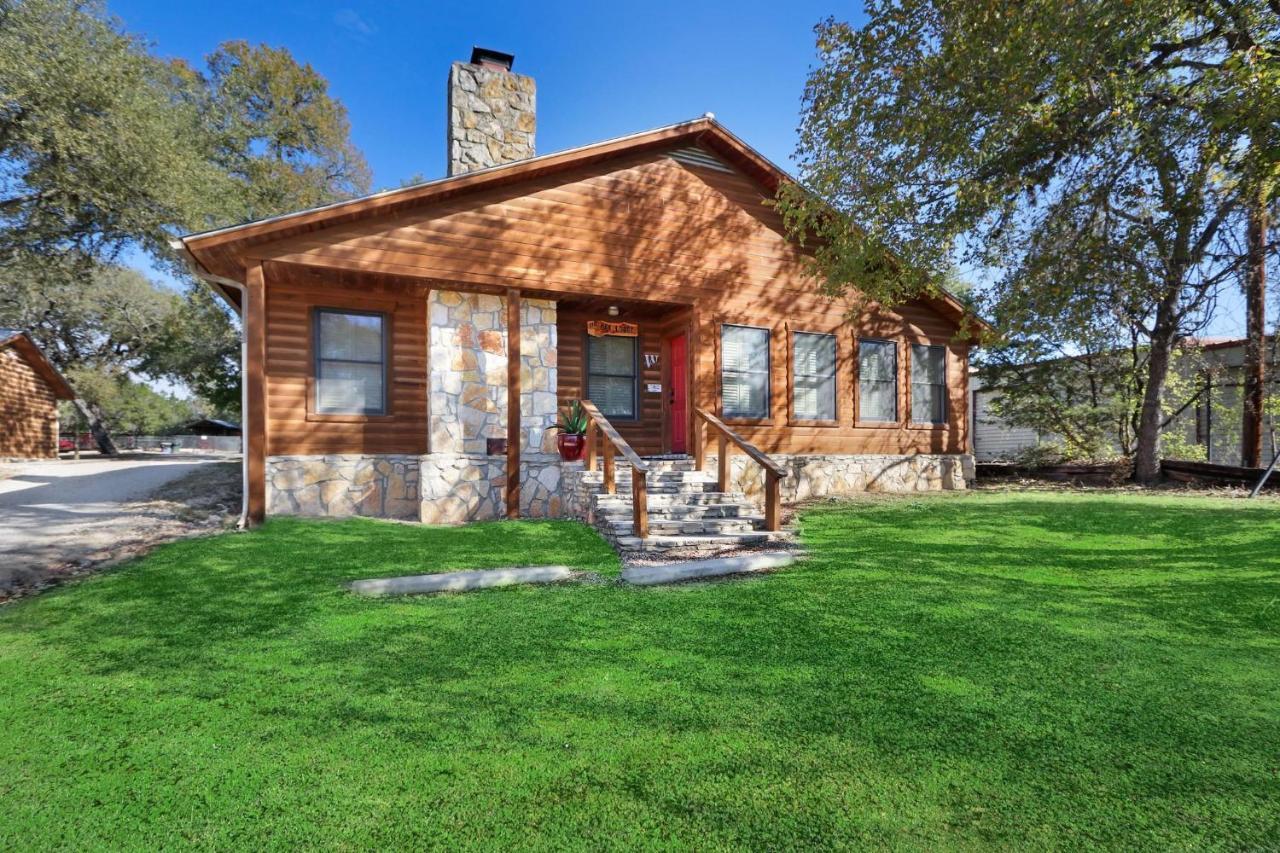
{"points": [[679, 420]]}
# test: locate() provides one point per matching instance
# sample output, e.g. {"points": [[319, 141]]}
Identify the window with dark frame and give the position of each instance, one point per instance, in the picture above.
{"points": [[350, 362], [744, 372], [814, 376], [928, 384], [877, 381], [612, 375]]}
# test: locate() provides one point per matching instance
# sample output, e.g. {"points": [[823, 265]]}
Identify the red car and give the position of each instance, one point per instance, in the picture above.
{"points": [[66, 445]]}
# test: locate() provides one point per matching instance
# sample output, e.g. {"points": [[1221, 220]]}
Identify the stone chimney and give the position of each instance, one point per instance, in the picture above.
{"points": [[491, 113]]}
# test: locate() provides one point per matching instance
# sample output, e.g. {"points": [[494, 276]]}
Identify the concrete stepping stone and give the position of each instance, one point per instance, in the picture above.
{"points": [[695, 569], [460, 581]]}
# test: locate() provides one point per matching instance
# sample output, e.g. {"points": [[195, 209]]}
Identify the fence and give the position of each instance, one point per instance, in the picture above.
{"points": [[223, 443]]}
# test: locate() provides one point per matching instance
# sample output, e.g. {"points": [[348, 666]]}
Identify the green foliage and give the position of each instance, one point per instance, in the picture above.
{"points": [[199, 344], [125, 406], [86, 314], [104, 147], [572, 419], [1178, 446], [1097, 157], [1043, 455], [1089, 400], [98, 146], [278, 132], [1026, 671]]}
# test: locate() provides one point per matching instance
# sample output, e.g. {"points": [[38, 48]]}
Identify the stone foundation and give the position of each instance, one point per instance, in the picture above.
{"points": [[834, 475], [458, 488], [575, 494], [437, 488], [381, 486], [454, 488]]}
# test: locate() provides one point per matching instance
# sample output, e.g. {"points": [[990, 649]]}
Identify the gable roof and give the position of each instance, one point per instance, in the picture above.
{"points": [[213, 254], [208, 248], [22, 343]]}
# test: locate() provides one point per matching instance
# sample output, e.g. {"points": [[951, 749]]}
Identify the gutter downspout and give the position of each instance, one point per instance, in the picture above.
{"points": [[218, 281]]}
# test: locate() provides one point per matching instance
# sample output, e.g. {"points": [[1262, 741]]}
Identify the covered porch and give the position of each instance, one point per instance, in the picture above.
{"points": [[471, 380]]}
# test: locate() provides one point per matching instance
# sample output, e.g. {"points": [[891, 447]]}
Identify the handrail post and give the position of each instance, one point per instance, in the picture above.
{"points": [[772, 494], [610, 487], [722, 480], [640, 504], [699, 450], [591, 444]]}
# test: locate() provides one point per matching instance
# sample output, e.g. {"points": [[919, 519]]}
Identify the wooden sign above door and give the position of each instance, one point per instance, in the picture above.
{"points": [[600, 328]]}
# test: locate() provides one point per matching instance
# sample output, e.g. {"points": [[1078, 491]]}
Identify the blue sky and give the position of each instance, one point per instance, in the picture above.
{"points": [[602, 69]]}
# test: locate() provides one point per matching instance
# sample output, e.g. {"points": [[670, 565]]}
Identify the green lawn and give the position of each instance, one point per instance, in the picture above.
{"points": [[1035, 669]]}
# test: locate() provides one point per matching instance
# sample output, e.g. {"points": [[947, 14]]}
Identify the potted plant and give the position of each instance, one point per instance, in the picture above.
{"points": [[572, 426]]}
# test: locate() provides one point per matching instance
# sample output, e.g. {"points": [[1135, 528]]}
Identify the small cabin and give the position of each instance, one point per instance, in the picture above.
{"points": [[30, 388], [407, 351]]}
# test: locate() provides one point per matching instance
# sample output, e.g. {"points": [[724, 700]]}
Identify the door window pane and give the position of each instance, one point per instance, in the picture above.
{"points": [[611, 375], [815, 376], [877, 381], [928, 384], [744, 372], [350, 363]]}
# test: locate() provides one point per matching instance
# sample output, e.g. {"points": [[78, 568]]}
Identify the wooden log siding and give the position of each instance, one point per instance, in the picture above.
{"points": [[293, 427], [639, 227], [28, 410], [645, 434]]}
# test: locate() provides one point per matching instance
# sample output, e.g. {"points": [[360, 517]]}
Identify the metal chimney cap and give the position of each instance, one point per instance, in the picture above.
{"points": [[495, 58]]}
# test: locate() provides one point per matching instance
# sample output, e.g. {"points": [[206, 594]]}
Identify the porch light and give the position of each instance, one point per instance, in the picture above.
{"points": [[613, 310]]}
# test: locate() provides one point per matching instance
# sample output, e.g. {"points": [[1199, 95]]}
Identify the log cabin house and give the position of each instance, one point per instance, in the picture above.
{"points": [[406, 352], [30, 388]]}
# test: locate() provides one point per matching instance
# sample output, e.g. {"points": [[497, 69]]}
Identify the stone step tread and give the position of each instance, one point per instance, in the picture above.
{"points": [[707, 540], [625, 520], [686, 513], [659, 489], [695, 569], [687, 528], [694, 499], [652, 476], [460, 581]]}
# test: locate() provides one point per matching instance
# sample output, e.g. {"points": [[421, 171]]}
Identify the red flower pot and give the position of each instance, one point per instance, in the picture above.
{"points": [[571, 446]]}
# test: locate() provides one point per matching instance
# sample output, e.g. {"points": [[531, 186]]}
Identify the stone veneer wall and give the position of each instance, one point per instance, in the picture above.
{"points": [[468, 406], [833, 475], [810, 476], [383, 486], [492, 117]]}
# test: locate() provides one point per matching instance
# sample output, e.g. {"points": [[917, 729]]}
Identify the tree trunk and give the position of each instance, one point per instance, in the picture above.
{"points": [[100, 434], [1146, 463], [1255, 297]]}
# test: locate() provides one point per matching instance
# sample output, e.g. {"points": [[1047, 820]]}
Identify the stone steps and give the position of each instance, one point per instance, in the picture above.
{"points": [[688, 516], [620, 527], [679, 512], [698, 545], [687, 499]]}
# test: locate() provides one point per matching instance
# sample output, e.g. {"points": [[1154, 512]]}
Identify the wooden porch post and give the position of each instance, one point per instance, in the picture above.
{"points": [[513, 403], [255, 333]]}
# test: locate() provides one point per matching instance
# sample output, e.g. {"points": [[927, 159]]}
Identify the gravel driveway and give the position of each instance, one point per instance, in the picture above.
{"points": [[58, 518]]}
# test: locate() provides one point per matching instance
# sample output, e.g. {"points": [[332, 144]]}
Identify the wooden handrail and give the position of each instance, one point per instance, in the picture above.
{"points": [[773, 472], [639, 469]]}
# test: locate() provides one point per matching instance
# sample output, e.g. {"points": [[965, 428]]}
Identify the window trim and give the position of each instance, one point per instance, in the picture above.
{"points": [[946, 402], [791, 376], [637, 415], [314, 413], [768, 385], [859, 421]]}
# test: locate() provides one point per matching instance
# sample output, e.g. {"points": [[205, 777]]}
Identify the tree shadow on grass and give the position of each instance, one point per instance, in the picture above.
{"points": [[946, 658]]}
